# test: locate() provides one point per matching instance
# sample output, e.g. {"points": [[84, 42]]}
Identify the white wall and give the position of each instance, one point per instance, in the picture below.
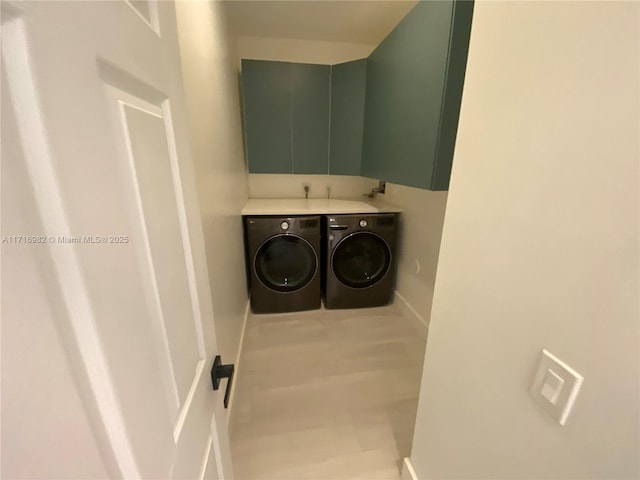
{"points": [[540, 249], [419, 244], [292, 186], [213, 108]]}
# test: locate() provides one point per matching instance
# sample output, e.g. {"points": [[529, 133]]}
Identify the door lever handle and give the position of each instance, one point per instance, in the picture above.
{"points": [[218, 372]]}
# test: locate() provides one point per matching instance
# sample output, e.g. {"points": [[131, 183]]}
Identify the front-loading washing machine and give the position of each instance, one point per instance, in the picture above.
{"points": [[359, 268], [283, 260]]}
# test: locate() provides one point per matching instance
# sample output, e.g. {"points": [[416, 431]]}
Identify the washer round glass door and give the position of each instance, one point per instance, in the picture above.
{"points": [[361, 260], [285, 263]]}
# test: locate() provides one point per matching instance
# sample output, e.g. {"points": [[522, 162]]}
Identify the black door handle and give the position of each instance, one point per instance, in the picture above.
{"points": [[218, 372]]}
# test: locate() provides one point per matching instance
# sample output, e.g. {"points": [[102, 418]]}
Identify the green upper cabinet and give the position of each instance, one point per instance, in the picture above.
{"points": [[266, 96], [393, 116], [413, 93], [286, 116], [348, 83], [310, 86]]}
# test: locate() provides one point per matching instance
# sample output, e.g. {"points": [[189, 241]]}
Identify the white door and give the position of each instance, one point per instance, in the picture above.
{"points": [[107, 327]]}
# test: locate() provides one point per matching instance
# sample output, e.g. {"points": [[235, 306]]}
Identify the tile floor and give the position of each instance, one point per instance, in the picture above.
{"points": [[327, 394]]}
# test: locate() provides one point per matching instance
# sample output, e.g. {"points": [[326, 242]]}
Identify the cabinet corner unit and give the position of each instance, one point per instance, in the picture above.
{"points": [[303, 118]]}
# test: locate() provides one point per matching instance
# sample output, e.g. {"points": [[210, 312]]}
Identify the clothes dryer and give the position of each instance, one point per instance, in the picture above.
{"points": [[283, 257], [359, 269]]}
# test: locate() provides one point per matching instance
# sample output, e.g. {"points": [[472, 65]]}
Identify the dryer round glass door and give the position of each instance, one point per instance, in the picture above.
{"points": [[361, 260], [285, 263]]}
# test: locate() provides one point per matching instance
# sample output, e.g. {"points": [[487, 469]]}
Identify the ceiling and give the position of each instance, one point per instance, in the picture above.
{"points": [[330, 20]]}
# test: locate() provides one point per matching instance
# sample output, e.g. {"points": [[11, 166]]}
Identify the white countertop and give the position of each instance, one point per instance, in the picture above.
{"points": [[315, 206]]}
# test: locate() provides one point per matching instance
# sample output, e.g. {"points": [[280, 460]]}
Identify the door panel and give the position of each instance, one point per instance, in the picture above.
{"points": [[96, 91], [310, 86], [267, 116], [145, 134], [348, 82]]}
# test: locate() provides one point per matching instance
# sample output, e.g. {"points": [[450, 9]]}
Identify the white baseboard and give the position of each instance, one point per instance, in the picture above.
{"points": [[408, 473], [236, 373], [410, 312]]}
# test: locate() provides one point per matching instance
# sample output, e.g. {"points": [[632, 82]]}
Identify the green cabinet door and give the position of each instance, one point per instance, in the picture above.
{"points": [[310, 117], [414, 87], [452, 95], [266, 98], [348, 82]]}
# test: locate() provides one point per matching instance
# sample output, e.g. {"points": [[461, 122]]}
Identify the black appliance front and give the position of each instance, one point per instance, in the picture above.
{"points": [[360, 270], [284, 265]]}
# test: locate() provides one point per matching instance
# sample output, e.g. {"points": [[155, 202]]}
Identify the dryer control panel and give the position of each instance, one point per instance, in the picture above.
{"points": [[336, 223]]}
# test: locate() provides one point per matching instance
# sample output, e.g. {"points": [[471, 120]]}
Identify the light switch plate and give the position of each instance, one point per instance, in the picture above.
{"points": [[555, 386], [552, 386]]}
